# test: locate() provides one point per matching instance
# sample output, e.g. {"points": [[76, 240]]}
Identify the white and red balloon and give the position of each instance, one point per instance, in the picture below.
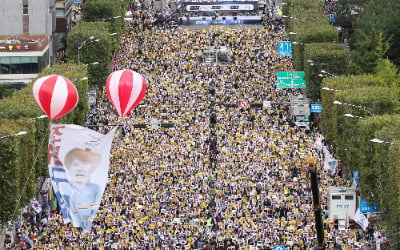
{"points": [[55, 95], [125, 89]]}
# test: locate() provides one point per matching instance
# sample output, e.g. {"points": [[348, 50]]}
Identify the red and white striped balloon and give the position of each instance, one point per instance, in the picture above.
{"points": [[125, 89], [55, 95]]}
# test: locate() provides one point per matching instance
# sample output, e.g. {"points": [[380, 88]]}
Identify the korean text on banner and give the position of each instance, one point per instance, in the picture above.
{"points": [[78, 160]]}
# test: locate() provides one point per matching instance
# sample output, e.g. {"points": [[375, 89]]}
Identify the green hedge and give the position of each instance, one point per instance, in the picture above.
{"points": [[328, 123], [330, 57], [296, 4], [16, 186], [372, 157], [107, 10], [390, 203], [310, 23], [24, 158]]}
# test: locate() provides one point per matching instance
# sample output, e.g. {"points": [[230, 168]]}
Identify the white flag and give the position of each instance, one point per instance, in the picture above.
{"points": [[361, 220], [318, 142], [78, 160]]}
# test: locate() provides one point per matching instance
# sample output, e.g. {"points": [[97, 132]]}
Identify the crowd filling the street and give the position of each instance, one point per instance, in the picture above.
{"points": [[221, 176]]}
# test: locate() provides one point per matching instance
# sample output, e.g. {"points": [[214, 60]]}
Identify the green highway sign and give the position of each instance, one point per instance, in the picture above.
{"points": [[291, 74], [290, 83], [291, 79]]}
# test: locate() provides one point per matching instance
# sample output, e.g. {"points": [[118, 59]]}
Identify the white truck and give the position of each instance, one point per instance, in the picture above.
{"points": [[342, 204], [299, 111]]}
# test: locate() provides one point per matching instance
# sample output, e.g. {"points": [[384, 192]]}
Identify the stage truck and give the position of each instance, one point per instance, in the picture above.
{"points": [[219, 13], [299, 111]]}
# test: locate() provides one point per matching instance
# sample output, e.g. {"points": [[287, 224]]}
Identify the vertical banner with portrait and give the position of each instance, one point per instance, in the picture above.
{"points": [[78, 160]]}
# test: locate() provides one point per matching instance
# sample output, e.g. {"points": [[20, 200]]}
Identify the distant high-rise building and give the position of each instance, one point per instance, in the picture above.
{"points": [[27, 38]]}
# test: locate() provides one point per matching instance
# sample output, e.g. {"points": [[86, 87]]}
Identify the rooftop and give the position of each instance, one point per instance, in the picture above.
{"points": [[23, 43]]}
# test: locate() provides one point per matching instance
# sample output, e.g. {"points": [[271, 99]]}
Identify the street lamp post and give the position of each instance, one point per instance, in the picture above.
{"points": [[376, 140], [93, 63], [325, 73], [17, 134], [366, 109], [111, 18], [298, 43], [329, 89], [312, 63], [291, 17]]}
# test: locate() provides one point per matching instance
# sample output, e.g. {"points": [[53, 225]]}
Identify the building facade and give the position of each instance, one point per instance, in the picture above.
{"points": [[27, 43], [68, 13]]}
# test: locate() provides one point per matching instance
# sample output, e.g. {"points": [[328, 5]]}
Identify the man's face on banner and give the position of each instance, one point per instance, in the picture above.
{"points": [[81, 164], [81, 170]]}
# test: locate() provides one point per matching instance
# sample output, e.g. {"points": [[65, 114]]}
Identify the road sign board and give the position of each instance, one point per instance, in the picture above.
{"points": [[316, 107], [243, 104], [290, 83], [366, 208], [291, 79], [284, 48]]}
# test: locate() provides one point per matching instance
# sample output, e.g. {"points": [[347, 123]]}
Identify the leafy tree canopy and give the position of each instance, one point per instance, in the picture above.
{"points": [[373, 46], [382, 15]]}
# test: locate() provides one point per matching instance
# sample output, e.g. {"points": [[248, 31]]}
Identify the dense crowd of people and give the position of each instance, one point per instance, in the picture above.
{"points": [[223, 176], [330, 6]]}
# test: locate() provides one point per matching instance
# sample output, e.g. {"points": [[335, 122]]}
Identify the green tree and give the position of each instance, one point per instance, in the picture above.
{"points": [[101, 10], [330, 58], [390, 204], [89, 43], [368, 50], [16, 185], [382, 15], [331, 87], [9, 178], [109, 11], [387, 74]]}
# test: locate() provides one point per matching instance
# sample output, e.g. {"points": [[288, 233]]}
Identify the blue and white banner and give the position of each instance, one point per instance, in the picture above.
{"points": [[356, 179], [330, 163], [78, 160]]}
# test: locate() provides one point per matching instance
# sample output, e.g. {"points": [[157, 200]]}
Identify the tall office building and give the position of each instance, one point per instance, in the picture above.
{"points": [[27, 43]]}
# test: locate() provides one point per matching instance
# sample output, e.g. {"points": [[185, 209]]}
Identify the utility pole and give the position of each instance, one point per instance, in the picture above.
{"points": [[312, 169]]}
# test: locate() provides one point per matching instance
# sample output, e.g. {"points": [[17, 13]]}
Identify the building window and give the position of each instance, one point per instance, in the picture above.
{"points": [[60, 4], [20, 65], [348, 197], [60, 13], [25, 9]]}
